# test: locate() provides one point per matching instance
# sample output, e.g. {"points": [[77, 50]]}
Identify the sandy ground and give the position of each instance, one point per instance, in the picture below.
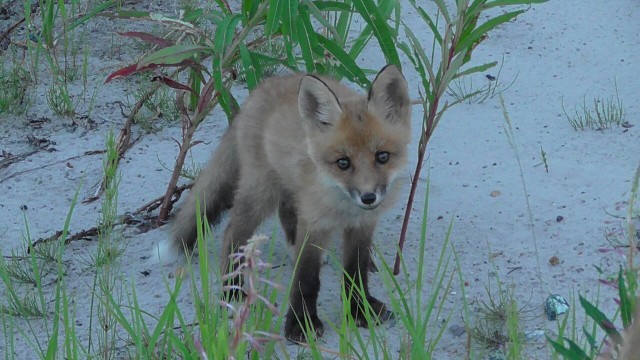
{"points": [[558, 51]]}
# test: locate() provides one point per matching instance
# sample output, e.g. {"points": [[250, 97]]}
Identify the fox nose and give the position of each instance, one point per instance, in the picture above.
{"points": [[368, 198]]}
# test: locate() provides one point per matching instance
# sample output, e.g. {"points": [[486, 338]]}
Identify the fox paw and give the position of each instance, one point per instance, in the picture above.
{"points": [[232, 290], [294, 331], [379, 315]]}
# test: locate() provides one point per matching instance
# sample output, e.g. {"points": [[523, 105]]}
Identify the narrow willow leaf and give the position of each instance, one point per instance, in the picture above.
{"points": [[250, 71], [476, 34], [428, 20], [626, 309], [476, 69], [601, 319], [89, 15], [443, 9], [289, 14], [332, 6], [319, 17], [491, 4], [419, 51], [343, 25], [381, 30], [306, 39], [225, 32], [173, 54], [454, 67], [274, 15], [385, 7], [249, 9], [567, 353], [347, 67]]}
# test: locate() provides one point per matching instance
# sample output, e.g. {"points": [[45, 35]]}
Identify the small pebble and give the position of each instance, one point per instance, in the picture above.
{"points": [[559, 218], [555, 305], [534, 334], [457, 330]]}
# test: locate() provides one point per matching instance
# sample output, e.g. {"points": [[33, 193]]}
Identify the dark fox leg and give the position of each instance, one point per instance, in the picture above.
{"points": [[288, 216], [357, 262], [303, 298]]}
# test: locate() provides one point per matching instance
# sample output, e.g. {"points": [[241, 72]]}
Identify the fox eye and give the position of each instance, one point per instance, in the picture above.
{"points": [[382, 157], [343, 163]]}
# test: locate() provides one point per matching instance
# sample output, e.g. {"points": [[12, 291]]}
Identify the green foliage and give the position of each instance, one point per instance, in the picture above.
{"points": [[626, 283], [15, 83]]}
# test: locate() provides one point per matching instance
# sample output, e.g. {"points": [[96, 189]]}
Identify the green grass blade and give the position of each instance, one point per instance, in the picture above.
{"points": [[90, 15]]}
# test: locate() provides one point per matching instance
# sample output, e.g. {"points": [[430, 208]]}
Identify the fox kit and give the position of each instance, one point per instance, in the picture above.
{"points": [[327, 159]]}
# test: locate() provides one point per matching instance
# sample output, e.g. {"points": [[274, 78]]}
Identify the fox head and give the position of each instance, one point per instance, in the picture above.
{"points": [[358, 144]]}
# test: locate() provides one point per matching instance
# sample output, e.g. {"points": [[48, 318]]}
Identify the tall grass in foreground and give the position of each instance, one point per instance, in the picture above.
{"points": [[600, 337], [250, 328], [215, 329]]}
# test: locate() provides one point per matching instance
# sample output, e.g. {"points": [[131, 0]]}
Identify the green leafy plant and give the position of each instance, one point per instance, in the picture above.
{"points": [[455, 33], [329, 49]]}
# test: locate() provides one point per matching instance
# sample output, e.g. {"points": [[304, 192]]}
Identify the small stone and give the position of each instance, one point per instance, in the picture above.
{"points": [[457, 330], [559, 218], [555, 305], [534, 334], [554, 261]]}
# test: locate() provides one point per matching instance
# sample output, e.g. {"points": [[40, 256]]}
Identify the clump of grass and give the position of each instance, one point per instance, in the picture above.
{"points": [[463, 88], [496, 324], [14, 82], [59, 100], [605, 113], [160, 107], [28, 268]]}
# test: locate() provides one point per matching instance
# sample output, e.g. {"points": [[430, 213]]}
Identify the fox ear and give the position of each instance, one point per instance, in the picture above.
{"points": [[389, 95], [318, 105]]}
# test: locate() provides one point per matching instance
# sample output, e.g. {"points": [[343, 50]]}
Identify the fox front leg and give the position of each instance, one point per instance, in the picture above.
{"points": [[357, 262], [303, 311]]}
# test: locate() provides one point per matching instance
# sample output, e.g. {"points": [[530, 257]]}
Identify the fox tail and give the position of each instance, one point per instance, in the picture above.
{"points": [[213, 190]]}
